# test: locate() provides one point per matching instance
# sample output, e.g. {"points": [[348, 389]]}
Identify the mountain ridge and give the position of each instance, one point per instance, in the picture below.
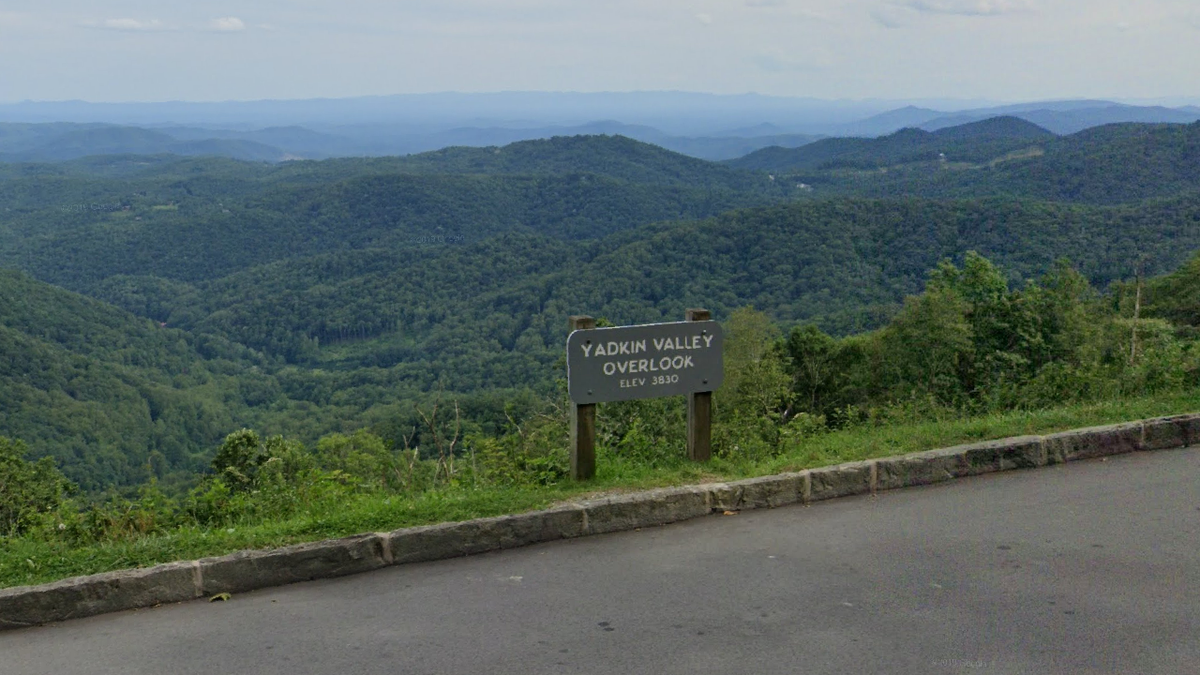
{"points": [[971, 142]]}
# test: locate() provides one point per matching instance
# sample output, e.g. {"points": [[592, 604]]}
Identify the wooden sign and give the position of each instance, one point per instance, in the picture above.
{"points": [[633, 362]]}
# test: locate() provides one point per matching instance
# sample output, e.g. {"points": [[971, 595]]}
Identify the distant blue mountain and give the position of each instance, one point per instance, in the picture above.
{"points": [[58, 142], [675, 113], [706, 126], [887, 122], [1060, 117], [1072, 117]]}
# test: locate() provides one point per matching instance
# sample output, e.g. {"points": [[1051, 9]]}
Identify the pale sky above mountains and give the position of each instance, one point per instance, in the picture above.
{"points": [[1000, 50]]}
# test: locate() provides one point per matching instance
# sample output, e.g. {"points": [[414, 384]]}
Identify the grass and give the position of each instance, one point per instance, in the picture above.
{"points": [[25, 561]]}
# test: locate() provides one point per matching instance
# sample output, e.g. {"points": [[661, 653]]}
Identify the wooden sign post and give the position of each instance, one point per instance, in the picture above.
{"points": [[624, 363], [583, 422], [699, 410]]}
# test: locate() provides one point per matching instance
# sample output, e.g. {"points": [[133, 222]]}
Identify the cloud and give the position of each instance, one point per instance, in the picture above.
{"points": [[131, 24], [228, 24], [705, 19], [970, 7], [766, 3]]}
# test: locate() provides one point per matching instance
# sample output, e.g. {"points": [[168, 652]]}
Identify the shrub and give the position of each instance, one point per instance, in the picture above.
{"points": [[28, 490]]}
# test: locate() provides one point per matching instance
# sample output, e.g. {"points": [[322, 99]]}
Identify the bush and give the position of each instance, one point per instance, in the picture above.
{"points": [[29, 490], [652, 432], [533, 453], [119, 519]]}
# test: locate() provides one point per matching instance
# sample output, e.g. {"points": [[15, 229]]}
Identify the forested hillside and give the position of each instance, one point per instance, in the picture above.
{"points": [[839, 263], [314, 297], [202, 219], [975, 142], [614, 156], [111, 396], [1176, 296], [1119, 163]]}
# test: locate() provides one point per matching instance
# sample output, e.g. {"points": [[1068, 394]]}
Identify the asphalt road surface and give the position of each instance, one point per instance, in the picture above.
{"points": [[1088, 568]]}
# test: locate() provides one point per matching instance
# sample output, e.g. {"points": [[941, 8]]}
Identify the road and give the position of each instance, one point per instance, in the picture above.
{"points": [[1088, 568]]}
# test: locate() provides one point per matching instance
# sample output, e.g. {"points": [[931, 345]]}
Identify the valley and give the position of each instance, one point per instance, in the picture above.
{"points": [[195, 342]]}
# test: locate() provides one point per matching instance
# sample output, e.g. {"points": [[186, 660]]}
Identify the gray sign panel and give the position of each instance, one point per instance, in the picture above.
{"points": [[658, 359]]}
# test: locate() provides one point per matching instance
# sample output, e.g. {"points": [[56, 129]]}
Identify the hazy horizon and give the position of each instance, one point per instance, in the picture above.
{"points": [[954, 102], [404, 123], [856, 50], [938, 103]]}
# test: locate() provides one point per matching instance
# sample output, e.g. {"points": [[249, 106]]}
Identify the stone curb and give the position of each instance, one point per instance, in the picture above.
{"points": [[247, 570], [99, 593], [243, 571]]}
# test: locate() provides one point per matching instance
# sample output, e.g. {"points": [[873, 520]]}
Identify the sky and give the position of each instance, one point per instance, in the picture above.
{"points": [[206, 50]]}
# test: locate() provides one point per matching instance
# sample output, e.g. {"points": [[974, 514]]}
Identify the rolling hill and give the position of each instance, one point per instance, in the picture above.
{"points": [[840, 263], [974, 142], [1113, 164], [113, 397]]}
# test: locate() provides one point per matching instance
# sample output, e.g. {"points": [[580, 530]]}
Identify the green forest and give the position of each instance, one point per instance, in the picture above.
{"points": [[194, 342]]}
